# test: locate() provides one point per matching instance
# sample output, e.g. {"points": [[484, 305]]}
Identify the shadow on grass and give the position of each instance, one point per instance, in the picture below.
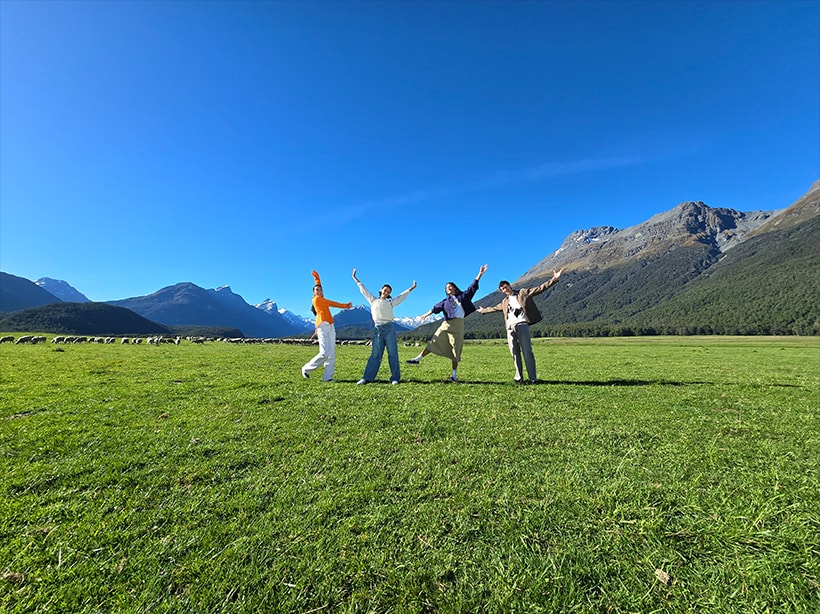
{"points": [[599, 383], [612, 382], [624, 382], [661, 382]]}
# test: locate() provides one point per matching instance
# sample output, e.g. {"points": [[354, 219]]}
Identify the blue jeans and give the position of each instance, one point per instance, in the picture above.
{"points": [[383, 337]]}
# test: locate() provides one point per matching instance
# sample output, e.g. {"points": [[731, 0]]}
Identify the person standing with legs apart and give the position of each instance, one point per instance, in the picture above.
{"points": [[325, 332], [384, 336], [519, 312], [448, 339]]}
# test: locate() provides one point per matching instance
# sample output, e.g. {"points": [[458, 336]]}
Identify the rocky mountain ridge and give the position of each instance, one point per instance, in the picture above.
{"points": [[600, 247]]}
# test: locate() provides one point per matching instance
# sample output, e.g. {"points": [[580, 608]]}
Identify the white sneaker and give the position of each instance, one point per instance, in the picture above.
{"points": [[361, 382], [305, 374], [394, 382]]}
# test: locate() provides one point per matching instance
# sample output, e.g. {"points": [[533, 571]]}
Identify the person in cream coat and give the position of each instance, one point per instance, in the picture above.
{"points": [[519, 312]]}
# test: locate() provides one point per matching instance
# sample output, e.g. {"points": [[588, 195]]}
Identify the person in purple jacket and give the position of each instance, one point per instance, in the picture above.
{"points": [[448, 339]]}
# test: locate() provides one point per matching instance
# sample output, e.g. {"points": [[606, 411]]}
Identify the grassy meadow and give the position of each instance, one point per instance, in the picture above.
{"points": [[640, 475]]}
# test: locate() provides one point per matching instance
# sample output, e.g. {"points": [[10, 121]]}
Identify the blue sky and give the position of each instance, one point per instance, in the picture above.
{"points": [[245, 143]]}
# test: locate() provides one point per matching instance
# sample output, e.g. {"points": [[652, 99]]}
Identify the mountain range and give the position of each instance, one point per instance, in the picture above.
{"points": [[186, 304], [303, 324], [183, 307], [693, 269]]}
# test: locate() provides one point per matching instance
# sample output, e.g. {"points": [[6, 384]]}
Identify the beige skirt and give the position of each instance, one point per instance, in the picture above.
{"points": [[448, 339]]}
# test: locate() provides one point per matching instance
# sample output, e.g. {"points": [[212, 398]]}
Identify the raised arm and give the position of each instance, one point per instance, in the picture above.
{"points": [[469, 293], [367, 294], [400, 298], [556, 275]]}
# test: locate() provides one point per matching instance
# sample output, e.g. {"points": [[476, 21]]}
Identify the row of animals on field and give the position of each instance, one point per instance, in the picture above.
{"points": [[32, 339], [158, 340]]}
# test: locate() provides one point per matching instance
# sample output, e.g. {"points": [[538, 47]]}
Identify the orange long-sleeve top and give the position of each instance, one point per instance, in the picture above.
{"points": [[322, 306]]}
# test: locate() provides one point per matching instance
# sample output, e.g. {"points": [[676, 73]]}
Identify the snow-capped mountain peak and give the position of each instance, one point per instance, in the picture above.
{"points": [[269, 306], [62, 290], [416, 321]]}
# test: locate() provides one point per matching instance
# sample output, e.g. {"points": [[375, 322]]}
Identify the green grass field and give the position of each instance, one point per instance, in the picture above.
{"points": [[641, 475]]}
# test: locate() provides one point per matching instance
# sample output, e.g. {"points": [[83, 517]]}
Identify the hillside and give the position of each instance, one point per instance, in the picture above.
{"points": [[81, 319], [62, 290], [19, 293], [692, 269], [767, 285]]}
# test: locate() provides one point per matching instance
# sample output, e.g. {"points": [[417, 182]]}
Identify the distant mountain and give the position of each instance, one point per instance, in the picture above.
{"points": [[186, 304], [768, 284], [62, 290], [296, 320], [693, 269], [270, 306], [18, 293], [414, 322], [81, 319], [690, 225]]}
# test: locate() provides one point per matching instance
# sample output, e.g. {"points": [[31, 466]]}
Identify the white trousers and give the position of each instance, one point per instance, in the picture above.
{"points": [[326, 333]]}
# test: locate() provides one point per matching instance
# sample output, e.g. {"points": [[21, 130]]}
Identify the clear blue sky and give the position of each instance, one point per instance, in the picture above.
{"points": [[245, 143]]}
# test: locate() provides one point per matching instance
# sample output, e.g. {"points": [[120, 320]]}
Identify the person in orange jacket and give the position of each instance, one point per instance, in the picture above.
{"points": [[325, 332]]}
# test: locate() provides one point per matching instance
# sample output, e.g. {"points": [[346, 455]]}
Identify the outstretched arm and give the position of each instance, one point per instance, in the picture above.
{"points": [[556, 275], [338, 305], [316, 279], [356, 279], [481, 272], [490, 309]]}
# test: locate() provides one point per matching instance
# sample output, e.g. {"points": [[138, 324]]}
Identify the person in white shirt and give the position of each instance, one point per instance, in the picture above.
{"points": [[384, 335], [519, 312]]}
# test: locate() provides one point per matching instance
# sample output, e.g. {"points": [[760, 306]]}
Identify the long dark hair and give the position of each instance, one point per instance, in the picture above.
{"points": [[452, 283], [312, 308]]}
